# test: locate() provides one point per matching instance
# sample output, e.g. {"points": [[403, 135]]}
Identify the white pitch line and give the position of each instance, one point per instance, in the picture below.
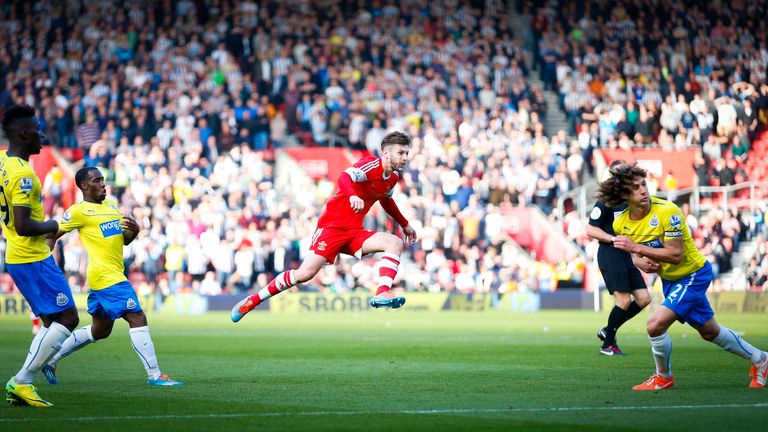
{"points": [[404, 412]]}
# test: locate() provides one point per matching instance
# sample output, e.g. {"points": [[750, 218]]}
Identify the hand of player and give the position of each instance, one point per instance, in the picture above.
{"points": [[410, 235], [129, 224], [356, 203], [646, 264], [624, 243]]}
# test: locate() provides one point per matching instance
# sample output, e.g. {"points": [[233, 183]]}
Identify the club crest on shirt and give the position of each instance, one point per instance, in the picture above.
{"points": [[61, 299], [654, 221], [130, 304], [26, 184]]}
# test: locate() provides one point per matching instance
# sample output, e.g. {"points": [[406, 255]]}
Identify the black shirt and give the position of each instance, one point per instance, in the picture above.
{"points": [[602, 217]]}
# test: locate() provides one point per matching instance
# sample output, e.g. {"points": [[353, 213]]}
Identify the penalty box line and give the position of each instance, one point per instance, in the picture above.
{"points": [[401, 412]]}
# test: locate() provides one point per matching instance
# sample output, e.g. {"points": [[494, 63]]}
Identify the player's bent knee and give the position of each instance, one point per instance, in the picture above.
{"points": [[100, 333], [395, 245], [303, 275], [137, 319], [69, 319], [623, 302], [655, 329], [708, 332]]}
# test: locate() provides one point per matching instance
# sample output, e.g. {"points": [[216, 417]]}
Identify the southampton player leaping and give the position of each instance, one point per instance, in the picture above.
{"points": [[104, 231], [653, 229], [340, 228]]}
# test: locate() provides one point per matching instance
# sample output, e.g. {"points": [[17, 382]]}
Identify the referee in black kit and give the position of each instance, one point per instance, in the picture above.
{"points": [[622, 278]]}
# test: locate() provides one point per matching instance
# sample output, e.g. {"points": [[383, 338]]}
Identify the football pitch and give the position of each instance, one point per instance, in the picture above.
{"points": [[391, 370]]}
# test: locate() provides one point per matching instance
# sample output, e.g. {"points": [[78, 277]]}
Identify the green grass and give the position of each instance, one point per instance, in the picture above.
{"points": [[391, 370]]}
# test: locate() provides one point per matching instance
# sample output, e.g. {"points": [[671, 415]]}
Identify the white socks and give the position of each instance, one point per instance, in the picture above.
{"points": [[731, 342], [145, 349], [661, 346], [45, 344], [79, 338]]}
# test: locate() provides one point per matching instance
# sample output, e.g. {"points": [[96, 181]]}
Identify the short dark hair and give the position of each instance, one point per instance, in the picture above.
{"points": [[612, 190], [16, 112], [394, 138], [83, 174]]}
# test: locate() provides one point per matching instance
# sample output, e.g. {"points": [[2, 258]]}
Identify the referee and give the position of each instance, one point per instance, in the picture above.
{"points": [[622, 278]]}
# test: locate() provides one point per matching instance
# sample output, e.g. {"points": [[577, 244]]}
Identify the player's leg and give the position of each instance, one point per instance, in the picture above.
{"points": [[661, 347], [615, 319], [43, 286], [392, 247], [145, 349], [100, 328], [728, 340], [283, 281], [615, 276]]}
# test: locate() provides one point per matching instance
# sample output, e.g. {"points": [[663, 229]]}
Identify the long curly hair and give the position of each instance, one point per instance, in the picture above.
{"points": [[613, 189]]}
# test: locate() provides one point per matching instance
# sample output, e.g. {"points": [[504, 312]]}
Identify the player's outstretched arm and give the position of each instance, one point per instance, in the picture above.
{"points": [[598, 234], [389, 205], [51, 240], [28, 227]]}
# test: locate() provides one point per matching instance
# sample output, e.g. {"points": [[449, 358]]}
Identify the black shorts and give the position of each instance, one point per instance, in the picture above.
{"points": [[619, 273], [622, 278]]}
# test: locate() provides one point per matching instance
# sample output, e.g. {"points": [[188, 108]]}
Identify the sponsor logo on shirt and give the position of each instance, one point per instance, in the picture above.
{"points": [[111, 228], [655, 243], [67, 216]]}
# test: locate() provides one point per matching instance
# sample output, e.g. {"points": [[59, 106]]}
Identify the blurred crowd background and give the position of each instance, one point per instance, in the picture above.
{"points": [[183, 104]]}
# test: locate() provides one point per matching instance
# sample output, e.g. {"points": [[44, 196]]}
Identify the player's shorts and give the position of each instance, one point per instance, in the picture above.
{"points": [[115, 301], [687, 297], [329, 242], [43, 285], [621, 275]]}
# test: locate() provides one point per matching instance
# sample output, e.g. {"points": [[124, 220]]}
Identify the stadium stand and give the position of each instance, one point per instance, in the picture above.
{"points": [[187, 105]]}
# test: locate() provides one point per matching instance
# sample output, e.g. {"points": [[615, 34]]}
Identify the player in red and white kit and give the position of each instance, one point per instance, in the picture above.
{"points": [[340, 227]]}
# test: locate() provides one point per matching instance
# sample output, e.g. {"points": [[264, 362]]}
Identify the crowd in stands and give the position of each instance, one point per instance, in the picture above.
{"points": [[757, 270], [181, 104], [658, 74]]}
